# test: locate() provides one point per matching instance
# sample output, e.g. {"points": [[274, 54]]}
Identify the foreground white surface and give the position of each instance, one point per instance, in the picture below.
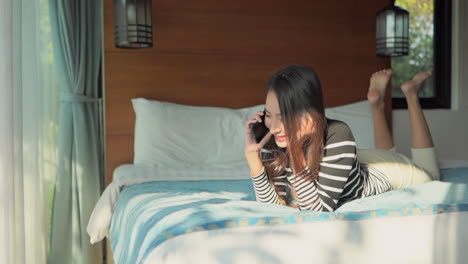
{"points": [[441, 238]]}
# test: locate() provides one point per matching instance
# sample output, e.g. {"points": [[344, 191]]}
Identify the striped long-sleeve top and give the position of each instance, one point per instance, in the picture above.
{"points": [[341, 177]]}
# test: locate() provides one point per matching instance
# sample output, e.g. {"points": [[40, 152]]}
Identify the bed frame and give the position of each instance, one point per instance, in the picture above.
{"points": [[221, 53]]}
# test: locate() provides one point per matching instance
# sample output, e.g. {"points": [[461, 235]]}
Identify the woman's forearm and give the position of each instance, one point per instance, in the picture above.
{"points": [[254, 162]]}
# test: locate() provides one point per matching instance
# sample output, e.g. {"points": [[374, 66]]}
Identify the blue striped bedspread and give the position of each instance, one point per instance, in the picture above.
{"points": [[150, 213]]}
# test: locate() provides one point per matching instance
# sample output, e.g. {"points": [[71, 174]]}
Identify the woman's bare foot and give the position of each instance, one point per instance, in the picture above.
{"points": [[411, 88], [420, 134], [378, 84]]}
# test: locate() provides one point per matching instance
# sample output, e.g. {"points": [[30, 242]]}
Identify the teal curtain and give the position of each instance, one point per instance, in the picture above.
{"points": [[77, 44]]}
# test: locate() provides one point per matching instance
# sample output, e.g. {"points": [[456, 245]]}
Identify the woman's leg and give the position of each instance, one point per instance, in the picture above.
{"points": [[397, 168], [420, 135], [378, 84], [422, 147]]}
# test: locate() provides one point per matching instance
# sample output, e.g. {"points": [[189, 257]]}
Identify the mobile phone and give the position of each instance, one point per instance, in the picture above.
{"points": [[259, 129]]}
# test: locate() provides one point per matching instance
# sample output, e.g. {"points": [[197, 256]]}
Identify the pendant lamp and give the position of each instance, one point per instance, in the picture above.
{"points": [[133, 24], [392, 31]]}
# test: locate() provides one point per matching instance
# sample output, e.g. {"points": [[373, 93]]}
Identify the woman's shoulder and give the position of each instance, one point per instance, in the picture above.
{"points": [[338, 131]]}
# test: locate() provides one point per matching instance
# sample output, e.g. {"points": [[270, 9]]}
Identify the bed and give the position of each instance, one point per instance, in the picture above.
{"points": [[187, 198]]}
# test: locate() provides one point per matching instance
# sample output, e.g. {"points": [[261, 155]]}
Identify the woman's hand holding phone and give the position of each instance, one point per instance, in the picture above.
{"points": [[256, 136], [256, 133]]}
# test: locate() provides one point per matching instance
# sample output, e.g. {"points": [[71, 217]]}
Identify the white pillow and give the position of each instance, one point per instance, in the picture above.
{"points": [[358, 116], [168, 134], [173, 135]]}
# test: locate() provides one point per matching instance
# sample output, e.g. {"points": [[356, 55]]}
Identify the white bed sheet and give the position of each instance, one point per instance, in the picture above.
{"points": [[129, 174], [400, 233], [424, 239]]}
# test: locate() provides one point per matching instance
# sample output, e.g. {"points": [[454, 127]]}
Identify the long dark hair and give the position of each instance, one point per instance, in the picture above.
{"points": [[299, 95]]}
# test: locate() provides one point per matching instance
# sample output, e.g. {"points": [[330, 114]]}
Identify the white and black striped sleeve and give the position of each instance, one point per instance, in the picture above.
{"points": [[264, 191], [334, 171]]}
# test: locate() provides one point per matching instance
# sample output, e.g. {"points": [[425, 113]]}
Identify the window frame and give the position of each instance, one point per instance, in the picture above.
{"points": [[442, 60]]}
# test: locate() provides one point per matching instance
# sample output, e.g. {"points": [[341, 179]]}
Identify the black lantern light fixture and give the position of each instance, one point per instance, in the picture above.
{"points": [[392, 31], [133, 24]]}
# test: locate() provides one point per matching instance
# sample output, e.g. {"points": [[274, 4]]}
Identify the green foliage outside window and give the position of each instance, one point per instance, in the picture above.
{"points": [[421, 52]]}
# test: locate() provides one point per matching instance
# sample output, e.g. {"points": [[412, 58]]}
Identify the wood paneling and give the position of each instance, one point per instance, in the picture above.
{"points": [[221, 53]]}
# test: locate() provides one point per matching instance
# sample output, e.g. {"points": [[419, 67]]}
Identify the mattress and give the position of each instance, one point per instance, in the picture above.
{"points": [[193, 222]]}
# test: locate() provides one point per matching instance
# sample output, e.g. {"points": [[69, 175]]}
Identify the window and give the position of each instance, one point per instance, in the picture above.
{"points": [[430, 50]]}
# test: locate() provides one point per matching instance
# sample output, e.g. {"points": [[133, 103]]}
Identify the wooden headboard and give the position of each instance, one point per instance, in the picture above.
{"points": [[222, 52]]}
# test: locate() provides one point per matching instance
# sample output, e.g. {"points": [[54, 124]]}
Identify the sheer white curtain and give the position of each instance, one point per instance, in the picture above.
{"points": [[28, 128]]}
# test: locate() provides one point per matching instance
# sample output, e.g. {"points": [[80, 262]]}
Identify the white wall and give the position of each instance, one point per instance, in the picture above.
{"points": [[449, 128]]}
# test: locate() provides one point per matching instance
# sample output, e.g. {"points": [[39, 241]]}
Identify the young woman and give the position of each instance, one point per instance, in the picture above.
{"points": [[313, 163]]}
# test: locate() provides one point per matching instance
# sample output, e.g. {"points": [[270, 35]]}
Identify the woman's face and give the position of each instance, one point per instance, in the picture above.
{"points": [[274, 122]]}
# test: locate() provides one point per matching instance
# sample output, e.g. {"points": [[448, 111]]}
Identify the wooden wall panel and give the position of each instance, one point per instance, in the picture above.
{"points": [[222, 52]]}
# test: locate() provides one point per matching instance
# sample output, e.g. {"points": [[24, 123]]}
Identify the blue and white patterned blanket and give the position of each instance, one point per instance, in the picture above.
{"points": [[147, 214]]}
